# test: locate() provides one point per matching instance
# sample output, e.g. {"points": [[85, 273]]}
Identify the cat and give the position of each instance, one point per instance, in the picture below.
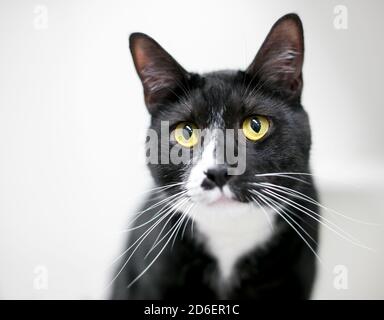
{"points": [[205, 232]]}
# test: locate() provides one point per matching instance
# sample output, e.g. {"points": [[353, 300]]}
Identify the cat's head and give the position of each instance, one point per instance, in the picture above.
{"points": [[260, 107]]}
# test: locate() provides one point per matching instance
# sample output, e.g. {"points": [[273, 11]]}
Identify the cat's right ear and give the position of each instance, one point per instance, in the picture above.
{"points": [[279, 61], [159, 73]]}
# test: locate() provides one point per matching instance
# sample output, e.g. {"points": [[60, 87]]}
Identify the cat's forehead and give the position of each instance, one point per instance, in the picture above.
{"points": [[217, 99], [218, 96], [220, 84], [222, 98], [234, 93]]}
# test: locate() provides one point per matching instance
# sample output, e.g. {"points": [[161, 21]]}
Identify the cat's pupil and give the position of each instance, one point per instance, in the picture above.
{"points": [[187, 132], [255, 125]]}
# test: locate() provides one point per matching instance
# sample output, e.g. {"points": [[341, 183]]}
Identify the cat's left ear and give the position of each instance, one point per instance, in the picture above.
{"points": [[278, 64], [160, 74]]}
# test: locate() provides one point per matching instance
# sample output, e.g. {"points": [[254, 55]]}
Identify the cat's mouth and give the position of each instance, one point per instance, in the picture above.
{"points": [[215, 196], [223, 200]]}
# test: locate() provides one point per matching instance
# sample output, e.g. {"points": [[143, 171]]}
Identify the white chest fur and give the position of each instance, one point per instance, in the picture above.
{"points": [[231, 230]]}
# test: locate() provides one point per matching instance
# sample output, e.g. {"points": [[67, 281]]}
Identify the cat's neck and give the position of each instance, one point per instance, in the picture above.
{"points": [[231, 230]]}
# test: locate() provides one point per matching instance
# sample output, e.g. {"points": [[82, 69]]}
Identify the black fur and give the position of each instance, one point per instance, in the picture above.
{"points": [[271, 86]]}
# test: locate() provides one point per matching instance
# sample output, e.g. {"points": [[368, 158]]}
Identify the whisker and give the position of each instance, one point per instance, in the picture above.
{"points": [[169, 201], [282, 211], [184, 213], [265, 213], [193, 223], [304, 197], [165, 235], [286, 173], [290, 224], [143, 236], [153, 261], [161, 188], [186, 223], [285, 209], [304, 210], [282, 176], [174, 210], [141, 239], [166, 200]]}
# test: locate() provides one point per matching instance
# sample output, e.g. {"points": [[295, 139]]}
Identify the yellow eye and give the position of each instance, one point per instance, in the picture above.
{"points": [[186, 134], [255, 127]]}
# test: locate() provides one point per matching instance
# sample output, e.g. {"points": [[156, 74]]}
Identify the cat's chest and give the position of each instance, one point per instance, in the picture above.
{"points": [[230, 231]]}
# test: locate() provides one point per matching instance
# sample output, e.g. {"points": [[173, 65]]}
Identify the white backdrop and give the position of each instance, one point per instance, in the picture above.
{"points": [[72, 125]]}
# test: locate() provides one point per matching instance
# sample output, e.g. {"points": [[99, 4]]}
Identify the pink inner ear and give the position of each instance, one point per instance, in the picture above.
{"points": [[287, 30], [158, 71], [140, 57], [280, 58]]}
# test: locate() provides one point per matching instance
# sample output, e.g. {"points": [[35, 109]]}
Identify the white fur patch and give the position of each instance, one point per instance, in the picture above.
{"points": [[231, 229], [197, 175]]}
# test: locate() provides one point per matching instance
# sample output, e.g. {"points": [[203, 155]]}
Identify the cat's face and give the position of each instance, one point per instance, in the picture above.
{"points": [[233, 127]]}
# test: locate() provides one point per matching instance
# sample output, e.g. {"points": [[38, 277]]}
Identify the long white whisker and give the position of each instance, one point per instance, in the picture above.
{"points": [[304, 210], [294, 203], [186, 223], [166, 200], [165, 235], [145, 234], [289, 223], [285, 211], [170, 201], [141, 239], [155, 190], [283, 176], [303, 196], [174, 210], [265, 213], [184, 213], [285, 173], [153, 261]]}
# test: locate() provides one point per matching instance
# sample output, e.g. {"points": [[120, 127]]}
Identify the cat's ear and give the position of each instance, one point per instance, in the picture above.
{"points": [[160, 74], [279, 62]]}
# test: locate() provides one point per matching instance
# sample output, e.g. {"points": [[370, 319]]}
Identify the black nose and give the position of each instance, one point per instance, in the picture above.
{"points": [[216, 177]]}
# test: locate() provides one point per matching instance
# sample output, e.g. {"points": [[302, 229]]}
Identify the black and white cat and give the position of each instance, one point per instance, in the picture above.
{"points": [[215, 229]]}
